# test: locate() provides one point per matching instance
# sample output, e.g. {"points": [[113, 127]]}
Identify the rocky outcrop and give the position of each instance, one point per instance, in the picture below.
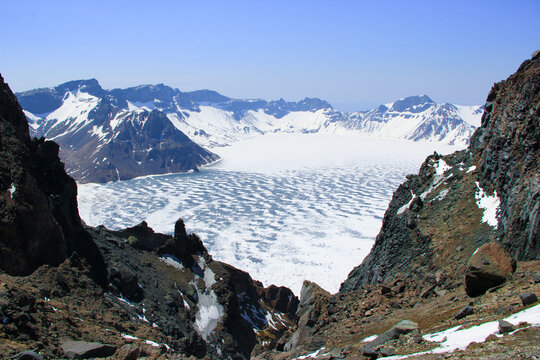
{"points": [[458, 202]]}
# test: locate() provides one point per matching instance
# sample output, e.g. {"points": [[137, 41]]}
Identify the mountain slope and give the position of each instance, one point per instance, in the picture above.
{"points": [[100, 142]]}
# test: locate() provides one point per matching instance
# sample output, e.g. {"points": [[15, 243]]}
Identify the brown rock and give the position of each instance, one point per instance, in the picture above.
{"points": [[488, 267]]}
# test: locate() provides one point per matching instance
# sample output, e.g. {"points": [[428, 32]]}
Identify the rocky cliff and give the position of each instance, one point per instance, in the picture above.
{"points": [[445, 258], [72, 291], [458, 202]]}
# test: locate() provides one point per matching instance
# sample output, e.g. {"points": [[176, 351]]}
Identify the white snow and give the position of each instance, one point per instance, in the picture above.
{"points": [[98, 131], [470, 114], [370, 338], [440, 168], [172, 260], [402, 209], [471, 169], [12, 190], [441, 195], [457, 338], [209, 310], [490, 205], [73, 113], [209, 313], [311, 355]]}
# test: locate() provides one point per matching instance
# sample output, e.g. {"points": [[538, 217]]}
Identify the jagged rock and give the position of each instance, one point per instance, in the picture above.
{"points": [[528, 298], [313, 304], [505, 327], [143, 237], [182, 245], [279, 298], [39, 220], [86, 350], [30, 355], [464, 312], [536, 278], [488, 267]]}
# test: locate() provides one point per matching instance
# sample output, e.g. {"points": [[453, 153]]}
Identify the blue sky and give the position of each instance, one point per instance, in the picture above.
{"points": [[354, 54]]}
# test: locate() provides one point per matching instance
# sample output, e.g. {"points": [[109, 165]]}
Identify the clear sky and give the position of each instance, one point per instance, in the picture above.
{"points": [[354, 54]]}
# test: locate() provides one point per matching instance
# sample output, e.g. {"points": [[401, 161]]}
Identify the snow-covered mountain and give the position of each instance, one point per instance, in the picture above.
{"points": [[101, 141], [96, 128]]}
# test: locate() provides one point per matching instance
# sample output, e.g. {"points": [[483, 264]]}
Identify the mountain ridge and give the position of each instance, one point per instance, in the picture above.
{"points": [[260, 116]]}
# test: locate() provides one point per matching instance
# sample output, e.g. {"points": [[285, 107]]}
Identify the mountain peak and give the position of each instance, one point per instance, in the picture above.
{"points": [[90, 86], [414, 104]]}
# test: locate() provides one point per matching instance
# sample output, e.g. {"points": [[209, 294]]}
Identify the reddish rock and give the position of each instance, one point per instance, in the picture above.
{"points": [[488, 267]]}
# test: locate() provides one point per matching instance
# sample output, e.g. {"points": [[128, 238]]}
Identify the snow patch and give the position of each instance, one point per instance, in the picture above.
{"points": [[441, 195], [490, 205], [471, 169], [402, 209], [210, 311], [12, 190], [311, 355], [172, 260]]}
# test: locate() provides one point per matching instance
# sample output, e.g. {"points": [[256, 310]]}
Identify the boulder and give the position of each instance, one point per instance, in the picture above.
{"points": [[313, 305], [87, 350], [464, 312], [528, 298], [488, 267], [505, 327]]}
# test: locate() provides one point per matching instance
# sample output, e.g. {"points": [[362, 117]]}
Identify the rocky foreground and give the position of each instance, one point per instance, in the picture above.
{"points": [[458, 248]]}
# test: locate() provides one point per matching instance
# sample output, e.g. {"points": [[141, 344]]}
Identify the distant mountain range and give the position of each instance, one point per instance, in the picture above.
{"points": [[118, 134]]}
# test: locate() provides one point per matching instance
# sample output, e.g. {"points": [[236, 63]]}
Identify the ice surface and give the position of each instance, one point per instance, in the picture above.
{"points": [[284, 207]]}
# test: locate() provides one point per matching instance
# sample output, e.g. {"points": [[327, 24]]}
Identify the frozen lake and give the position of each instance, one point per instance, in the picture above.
{"points": [[284, 207]]}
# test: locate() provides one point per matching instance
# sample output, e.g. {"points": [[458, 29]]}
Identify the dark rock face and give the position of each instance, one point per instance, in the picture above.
{"points": [[39, 220], [436, 212], [506, 148]]}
